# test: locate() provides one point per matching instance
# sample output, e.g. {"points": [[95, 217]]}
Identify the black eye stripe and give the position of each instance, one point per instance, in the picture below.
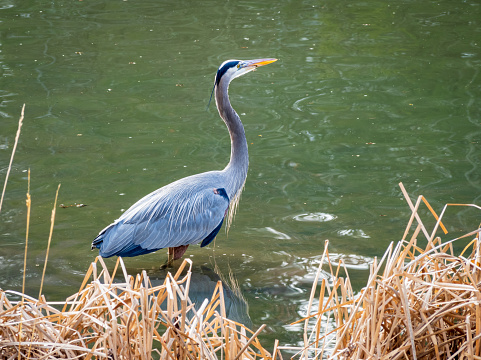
{"points": [[222, 70]]}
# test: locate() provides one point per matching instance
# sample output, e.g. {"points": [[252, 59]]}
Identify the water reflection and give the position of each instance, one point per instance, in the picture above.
{"points": [[202, 284], [354, 233], [277, 234]]}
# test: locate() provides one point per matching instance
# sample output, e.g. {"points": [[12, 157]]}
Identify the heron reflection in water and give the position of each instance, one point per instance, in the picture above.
{"points": [[203, 282], [190, 210]]}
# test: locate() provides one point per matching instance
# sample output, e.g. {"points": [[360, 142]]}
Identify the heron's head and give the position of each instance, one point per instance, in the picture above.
{"points": [[231, 69]]}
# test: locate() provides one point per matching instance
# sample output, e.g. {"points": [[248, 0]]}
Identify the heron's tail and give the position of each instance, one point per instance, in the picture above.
{"points": [[97, 242]]}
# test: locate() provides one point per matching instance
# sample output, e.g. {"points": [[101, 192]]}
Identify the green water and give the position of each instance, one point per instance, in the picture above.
{"points": [[365, 94]]}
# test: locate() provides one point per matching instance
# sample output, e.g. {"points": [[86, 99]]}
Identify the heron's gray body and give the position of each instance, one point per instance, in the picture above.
{"points": [[190, 210], [184, 212]]}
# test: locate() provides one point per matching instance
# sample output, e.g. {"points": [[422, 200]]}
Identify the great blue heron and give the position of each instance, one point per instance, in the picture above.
{"points": [[190, 210]]}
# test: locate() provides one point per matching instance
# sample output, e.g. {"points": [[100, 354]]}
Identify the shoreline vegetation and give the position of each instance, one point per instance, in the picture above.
{"points": [[420, 302]]}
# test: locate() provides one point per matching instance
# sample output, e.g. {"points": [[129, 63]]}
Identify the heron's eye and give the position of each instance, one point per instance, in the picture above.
{"points": [[238, 65]]}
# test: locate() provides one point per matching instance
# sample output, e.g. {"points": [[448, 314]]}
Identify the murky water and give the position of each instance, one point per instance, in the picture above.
{"points": [[364, 95]]}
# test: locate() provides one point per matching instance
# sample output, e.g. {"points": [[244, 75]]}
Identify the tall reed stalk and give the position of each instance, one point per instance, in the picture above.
{"points": [[20, 122]]}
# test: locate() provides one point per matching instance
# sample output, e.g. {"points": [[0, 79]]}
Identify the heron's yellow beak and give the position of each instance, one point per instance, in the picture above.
{"points": [[246, 66], [257, 62]]}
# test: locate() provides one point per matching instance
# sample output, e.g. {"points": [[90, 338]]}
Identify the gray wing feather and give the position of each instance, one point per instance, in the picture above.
{"points": [[178, 214]]}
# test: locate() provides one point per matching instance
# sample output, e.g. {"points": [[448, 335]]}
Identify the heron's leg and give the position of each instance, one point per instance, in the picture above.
{"points": [[179, 251], [175, 253], [170, 258]]}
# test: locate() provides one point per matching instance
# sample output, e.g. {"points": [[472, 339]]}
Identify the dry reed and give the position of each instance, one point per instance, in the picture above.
{"points": [[128, 320], [419, 303], [20, 123]]}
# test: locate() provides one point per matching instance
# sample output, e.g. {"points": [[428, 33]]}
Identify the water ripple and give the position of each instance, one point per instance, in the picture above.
{"points": [[315, 217]]}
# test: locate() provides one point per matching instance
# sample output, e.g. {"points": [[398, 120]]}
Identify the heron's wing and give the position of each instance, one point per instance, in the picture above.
{"points": [[169, 217]]}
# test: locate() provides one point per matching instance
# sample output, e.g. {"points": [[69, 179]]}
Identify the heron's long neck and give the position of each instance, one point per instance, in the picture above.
{"points": [[236, 170]]}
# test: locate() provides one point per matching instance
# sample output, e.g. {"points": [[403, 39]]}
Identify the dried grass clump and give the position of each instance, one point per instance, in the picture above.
{"points": [[419, 303], [129, 320]]}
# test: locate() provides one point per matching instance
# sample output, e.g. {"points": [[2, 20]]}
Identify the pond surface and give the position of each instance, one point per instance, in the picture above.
{"points": [[366, 94]]}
